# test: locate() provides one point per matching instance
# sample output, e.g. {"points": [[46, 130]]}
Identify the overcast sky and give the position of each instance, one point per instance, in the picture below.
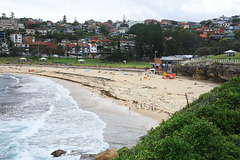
{"points": [[103, 10]]}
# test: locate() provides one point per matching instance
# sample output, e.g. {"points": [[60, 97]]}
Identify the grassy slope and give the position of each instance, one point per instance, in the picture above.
{"points": [[208, 129], [224, 56], [88, 62]]}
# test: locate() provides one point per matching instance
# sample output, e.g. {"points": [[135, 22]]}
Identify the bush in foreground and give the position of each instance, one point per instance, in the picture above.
{"points": [[207, 129]]}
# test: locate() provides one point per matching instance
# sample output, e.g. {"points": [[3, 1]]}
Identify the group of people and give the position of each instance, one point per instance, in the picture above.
{"points": [[141, 106]]}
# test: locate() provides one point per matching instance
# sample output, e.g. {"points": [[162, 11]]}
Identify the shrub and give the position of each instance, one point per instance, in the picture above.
{"points": [[207, 129]]}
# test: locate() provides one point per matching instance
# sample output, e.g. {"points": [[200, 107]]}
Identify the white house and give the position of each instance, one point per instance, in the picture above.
{"points": [[42, 31], [93, 48], [25, 46], [16, 37]]}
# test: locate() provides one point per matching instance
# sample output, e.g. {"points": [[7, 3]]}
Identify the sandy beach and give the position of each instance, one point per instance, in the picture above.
{"points": [[153, 96]]}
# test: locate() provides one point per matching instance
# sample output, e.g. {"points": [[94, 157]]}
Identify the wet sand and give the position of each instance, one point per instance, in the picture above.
{"points": [[123, 128]]}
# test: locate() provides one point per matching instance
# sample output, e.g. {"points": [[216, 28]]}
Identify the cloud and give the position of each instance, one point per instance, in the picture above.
{"points": [[193, 10]]}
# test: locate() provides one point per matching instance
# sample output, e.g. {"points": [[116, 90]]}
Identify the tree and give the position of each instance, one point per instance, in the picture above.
{"points": [[68, 49], [64, 19], [75, 22], [149, 39], [60, 50], [12, 15], [3, 15], [203, 51], [110, 21], [16, 51], [104, 30]]}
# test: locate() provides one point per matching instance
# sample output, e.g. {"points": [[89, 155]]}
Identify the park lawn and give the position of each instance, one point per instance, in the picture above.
{"points": [[224, 56], [96, 62]]}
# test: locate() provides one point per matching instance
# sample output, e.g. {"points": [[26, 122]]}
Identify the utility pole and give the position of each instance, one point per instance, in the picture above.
{"points": [[187, 99]]}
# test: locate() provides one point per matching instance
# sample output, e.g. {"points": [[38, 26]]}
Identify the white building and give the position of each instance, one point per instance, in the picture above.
{"points": [[25, 46], [42, 31], [16, 37], [93, 48]]}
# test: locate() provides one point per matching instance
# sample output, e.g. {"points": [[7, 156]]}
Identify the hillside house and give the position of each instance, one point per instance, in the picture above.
{"points": [[16, 37]]}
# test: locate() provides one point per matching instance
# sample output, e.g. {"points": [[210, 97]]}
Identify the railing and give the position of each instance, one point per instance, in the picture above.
{"points": [[213, 60]]}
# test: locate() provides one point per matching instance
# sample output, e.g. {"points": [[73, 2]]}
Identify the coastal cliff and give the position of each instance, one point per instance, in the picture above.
{"points": [[218, 72]]}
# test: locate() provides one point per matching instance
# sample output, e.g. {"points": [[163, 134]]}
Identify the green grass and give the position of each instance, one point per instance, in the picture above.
{"points": [[74, 62], [224, 56]]}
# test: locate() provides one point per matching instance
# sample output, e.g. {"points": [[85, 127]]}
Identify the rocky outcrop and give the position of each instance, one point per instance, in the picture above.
{"points": [[87, 157], [107, 155], [58, 153], [205, 70]]}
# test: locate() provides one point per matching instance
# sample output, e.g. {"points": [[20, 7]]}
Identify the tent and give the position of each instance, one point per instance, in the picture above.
{"points": [[42, 59], [81, 61], [55, 55], [23, 59], [152, 70], [230, 53]]}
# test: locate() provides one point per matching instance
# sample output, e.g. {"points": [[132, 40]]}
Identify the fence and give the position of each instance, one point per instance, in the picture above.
{"points": [[213, 60]]}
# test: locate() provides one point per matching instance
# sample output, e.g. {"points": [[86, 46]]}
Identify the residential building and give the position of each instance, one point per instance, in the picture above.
{"points": [[150, 21], [221, 23], [3, 37], [84, 47], [97, 30], [16, 37], [42, 32], [6, 24], [123, 30], [229, 36], [85, 28], [30, 31], [31, 25], [207, 30], [28, 39], [43, 48], [93, 48], [25, 46], [127, 45], [184, 25], [118, 24]]}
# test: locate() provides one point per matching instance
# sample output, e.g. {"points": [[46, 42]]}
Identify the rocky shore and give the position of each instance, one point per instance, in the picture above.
{"points": [[205, 70]]}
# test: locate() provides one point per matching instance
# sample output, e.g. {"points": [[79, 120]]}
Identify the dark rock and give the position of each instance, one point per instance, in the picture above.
{"points": [[58, 153]]}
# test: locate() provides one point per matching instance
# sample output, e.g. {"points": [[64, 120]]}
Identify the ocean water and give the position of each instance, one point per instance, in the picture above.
{"points": [[38, 116]]}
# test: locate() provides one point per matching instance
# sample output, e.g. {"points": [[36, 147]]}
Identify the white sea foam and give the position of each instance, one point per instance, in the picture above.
{"points": [[17, 80], [48, 119]]}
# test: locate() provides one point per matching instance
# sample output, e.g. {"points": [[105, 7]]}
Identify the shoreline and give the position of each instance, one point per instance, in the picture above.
{"points": [[127, 88], [123, 128]]}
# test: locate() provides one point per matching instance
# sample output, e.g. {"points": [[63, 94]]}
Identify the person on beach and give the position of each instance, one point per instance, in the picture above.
{"points": [[141, 105], [129, 110], [152, 107]]}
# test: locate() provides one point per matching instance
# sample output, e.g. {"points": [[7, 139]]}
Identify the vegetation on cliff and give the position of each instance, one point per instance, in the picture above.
{"points": [[206, 129]]}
